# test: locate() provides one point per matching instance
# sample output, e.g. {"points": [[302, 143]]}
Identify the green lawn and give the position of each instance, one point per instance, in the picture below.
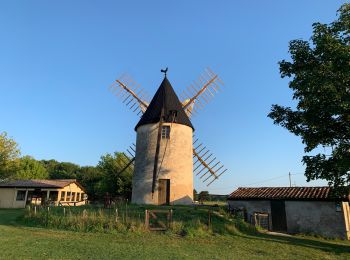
{"points": [[22, 242]]}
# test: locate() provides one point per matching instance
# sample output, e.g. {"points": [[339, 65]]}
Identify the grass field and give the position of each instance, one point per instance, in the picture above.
{"points": [[22, 242]]}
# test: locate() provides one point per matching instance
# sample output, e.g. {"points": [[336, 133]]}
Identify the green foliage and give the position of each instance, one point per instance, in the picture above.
{"points": [[29, 168], [320, 81], [61, 170], [91, 177], [9, 154], [203, 195], [115, 181]]}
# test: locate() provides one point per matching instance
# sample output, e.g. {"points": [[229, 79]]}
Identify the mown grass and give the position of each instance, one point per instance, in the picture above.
{"points": [[18, 241]]}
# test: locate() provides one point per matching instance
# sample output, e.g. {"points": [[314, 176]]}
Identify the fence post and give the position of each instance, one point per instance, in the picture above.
{"points": [[146, 219], [35, 210], [209, 218], [47, 216], [64, 212], [126, 210], [116, 215]]}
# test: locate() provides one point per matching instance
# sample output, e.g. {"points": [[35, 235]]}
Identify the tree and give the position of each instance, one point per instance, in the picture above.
{"points": [[29, 168], [91, 178], [9, 154], [203, 196], [195, 195], [61, 170], [114, 181], [320, 81]]}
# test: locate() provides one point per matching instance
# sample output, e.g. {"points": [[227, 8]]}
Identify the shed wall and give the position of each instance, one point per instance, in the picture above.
{"points": [[7, 198], [316, 217]]}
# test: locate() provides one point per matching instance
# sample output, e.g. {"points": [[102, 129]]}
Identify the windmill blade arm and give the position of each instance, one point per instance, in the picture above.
{"points": [[132, 96], [206, 167], [191, 100], [127, 161], [127, 166], [204, 163], [142, 103], [201, 92]]}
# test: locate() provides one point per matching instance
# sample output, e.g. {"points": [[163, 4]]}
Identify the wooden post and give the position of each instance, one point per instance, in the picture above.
{"points": [[47, 216], [146, 219], [126, 210], [209, 218], [64, 212], [116, 215], [34, 210]]}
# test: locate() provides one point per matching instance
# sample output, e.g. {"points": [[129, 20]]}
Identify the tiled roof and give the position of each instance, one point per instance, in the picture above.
{"points": [[37, 183], [286, 193]]}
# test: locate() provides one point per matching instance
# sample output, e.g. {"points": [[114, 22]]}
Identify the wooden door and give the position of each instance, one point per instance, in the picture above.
{"points": [[278, 215], [163, 191]]}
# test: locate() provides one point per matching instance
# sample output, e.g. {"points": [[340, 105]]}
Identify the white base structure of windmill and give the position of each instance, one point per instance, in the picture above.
{"points": [[163, 160]]}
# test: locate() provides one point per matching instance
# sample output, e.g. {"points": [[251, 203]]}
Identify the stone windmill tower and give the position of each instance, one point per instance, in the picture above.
{"points": [[164, 152]]}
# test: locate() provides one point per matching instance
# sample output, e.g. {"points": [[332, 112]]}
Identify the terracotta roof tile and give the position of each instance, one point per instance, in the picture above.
{"points": [[287, 193]]}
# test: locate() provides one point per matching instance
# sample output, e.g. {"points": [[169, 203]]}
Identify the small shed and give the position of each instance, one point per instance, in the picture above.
{"points": [[19, 193], [310, 210]]}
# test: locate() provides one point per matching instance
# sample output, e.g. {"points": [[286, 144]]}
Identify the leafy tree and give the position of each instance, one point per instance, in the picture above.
{"points": [[61, 170], [320, 81], [29, 168], [91, 178], [203, 196], [9, 154], [114, 181], [195, 194]]}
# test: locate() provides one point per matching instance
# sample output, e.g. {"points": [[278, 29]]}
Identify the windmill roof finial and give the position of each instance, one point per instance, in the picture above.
{"points": [[164, 71]]}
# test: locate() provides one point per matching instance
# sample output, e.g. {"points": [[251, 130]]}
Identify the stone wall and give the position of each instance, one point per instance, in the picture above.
{"points": [[315, 217], [177, 164], [312, 217]]}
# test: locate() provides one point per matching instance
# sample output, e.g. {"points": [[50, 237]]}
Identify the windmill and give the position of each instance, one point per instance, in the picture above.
{"points": [[166, 154]]}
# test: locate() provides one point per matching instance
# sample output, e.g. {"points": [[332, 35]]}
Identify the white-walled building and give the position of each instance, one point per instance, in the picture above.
{"points": [[19, 193]]}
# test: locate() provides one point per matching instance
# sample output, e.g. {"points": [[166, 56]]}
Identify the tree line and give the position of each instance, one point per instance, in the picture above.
{"points": [[98, 180]]}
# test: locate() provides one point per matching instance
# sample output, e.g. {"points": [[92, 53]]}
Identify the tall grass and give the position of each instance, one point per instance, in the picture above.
{"points": [[123, 218]]}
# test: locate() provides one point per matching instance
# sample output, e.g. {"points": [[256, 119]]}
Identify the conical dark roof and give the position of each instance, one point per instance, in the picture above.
{"points": [[166, 98]]}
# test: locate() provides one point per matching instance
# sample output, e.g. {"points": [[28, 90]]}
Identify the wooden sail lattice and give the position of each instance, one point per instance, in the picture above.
{"points": [[127, 160], [201, 92], [205, 164], [195, 97], [131, 94]]}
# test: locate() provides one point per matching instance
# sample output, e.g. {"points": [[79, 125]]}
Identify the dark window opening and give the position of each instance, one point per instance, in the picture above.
{"points": [[165, 132], [21, 195], [53, 195]]}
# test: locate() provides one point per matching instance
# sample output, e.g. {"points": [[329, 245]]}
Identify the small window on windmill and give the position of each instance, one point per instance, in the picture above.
{"points": [[165, 132]]}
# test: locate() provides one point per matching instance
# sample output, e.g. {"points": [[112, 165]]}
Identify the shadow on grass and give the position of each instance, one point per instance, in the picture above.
{"points": [[10, 217], [335, 246]]}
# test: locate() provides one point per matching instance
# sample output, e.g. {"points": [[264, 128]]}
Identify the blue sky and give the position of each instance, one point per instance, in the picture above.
{"points": [[57, 59]]}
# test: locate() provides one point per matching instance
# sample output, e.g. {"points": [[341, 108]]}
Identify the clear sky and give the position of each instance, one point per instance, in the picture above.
{"points": [[57, 59]]}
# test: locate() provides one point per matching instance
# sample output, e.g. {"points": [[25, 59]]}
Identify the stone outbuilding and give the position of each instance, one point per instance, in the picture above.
{"points": [[309, 210], [19, 193]]}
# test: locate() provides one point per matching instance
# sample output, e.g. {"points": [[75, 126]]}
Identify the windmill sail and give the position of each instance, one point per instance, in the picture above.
{"points": [[198, 94], [206, 165], [131, 94], [127, 160]]}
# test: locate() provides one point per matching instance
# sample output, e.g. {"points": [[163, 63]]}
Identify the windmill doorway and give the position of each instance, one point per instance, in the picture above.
{"points": [[163, 191]]}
